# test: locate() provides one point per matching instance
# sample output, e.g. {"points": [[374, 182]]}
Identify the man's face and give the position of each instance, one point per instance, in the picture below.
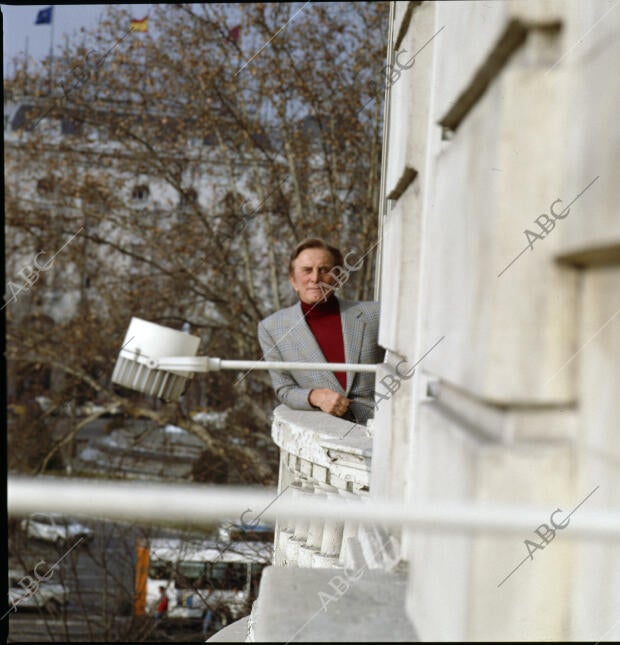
{"points": [[311, 267]]}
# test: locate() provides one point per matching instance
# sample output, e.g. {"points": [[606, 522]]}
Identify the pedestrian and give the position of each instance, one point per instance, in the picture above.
{"points": [[161, 613], [206, 621]]}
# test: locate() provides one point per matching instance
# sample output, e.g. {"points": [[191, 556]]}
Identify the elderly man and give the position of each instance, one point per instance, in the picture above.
{"points": [[319, 328]]}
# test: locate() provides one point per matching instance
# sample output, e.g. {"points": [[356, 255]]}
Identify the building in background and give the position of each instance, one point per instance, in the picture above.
{"points": [[88, 174]]}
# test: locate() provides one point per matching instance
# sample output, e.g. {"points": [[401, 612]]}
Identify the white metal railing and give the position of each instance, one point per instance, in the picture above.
{"points": [[202, 504]]}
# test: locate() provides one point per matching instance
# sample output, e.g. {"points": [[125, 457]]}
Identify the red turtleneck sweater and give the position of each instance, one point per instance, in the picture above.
{"points": [[324, 322]]}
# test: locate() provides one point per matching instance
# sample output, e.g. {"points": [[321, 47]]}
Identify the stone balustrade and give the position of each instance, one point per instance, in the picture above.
{"points": [[321, 455]]}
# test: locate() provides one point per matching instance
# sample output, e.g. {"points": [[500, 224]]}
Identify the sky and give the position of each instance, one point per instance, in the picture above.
{"points": [[18, 25]]}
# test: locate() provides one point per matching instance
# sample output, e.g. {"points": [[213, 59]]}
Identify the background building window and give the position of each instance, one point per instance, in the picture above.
{"points": [[140, 193], [188, 197], [45, 185]]}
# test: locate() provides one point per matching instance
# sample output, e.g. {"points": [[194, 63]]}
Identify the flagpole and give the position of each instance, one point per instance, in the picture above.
{"points": [[25, 83], [51, 50]]}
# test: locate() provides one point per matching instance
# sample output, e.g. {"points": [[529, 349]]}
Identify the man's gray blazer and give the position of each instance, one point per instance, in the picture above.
{"points": [[286, 336]]}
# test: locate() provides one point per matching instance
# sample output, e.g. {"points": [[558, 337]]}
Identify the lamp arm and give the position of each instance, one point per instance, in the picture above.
{"points": [[209, 364], [291, 366], [173, 363]]}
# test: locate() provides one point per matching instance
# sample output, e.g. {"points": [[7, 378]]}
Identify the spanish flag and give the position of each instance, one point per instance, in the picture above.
{"points": [[140, 25]]}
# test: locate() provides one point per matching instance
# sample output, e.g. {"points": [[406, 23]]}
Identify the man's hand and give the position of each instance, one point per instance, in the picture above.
{"points": [[329, 401]]}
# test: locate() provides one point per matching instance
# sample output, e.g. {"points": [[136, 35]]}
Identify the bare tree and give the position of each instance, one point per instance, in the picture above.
{"points": [[184, 164]]}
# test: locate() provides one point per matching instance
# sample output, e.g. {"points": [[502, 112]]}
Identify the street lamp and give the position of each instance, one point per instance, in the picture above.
{"points": [[158, 360]]}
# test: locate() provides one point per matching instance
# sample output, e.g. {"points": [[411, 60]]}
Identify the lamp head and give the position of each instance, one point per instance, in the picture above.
{"points": [[145, 338]]}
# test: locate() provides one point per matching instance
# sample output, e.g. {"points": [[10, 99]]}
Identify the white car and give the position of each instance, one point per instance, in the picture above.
{"points": [[56, 528], [42, 595]]}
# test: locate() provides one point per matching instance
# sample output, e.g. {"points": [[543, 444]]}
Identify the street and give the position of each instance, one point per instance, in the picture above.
{"points": [[99, 576]]}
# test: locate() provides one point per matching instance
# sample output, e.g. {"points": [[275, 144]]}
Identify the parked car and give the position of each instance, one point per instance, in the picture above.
{"points": [[245, 532], [46, 595], [56, 528]]}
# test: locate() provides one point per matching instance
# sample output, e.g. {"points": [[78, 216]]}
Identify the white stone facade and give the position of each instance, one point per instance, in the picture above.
{"points": [[510, 107]]}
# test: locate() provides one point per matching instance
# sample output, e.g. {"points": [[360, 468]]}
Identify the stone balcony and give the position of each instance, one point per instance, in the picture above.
{"points": [[321, 455], [330, 581]]}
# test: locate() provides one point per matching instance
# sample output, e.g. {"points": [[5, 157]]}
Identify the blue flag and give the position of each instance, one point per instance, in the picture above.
{"points": [[44, 17]]}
